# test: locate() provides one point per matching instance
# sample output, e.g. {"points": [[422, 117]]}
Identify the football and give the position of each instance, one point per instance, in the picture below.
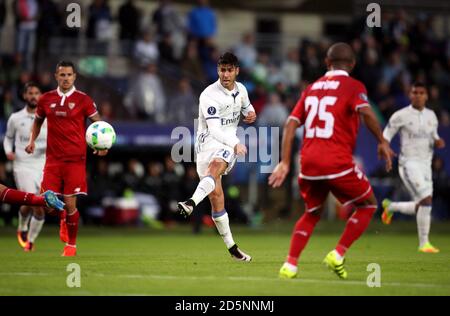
{"points": [[100, 135]]}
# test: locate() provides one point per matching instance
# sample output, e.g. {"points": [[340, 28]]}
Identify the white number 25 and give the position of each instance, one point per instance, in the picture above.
{"points": [[314, 105]]}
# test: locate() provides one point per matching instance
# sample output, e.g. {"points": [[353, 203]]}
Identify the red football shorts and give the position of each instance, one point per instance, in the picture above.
{"points": [[350, 188], [68, 178]]}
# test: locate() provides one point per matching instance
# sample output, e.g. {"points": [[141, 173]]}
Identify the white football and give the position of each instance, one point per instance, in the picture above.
{"points": [[100, 135]]}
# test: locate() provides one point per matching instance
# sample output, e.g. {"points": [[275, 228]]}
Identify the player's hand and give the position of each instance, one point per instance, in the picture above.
{"points": [[11, 156], [240, 150], [250, 118], [385, 152], [30, 148], [439, 143], [101, 152], [278, 175]]}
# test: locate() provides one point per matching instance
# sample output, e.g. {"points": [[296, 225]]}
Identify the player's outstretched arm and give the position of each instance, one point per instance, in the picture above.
{"points": [[35, 130], [384, 150], [95, 118], [280, 172]]}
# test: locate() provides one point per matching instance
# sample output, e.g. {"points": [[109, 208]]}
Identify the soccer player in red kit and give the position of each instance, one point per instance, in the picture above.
{"points": [[330, 110], [66, 110]]}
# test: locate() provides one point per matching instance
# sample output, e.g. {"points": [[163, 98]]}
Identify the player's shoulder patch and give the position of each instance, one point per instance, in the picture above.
{"points": [[212, 110], [363, 97]]}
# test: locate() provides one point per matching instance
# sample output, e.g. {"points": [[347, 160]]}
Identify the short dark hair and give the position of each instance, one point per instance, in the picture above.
{"points": [[30, 84], [228, 59], [419, 84], [66, 63]]}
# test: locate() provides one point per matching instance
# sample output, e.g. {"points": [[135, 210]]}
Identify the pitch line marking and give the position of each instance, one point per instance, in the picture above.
{"points": [[232, 278]]}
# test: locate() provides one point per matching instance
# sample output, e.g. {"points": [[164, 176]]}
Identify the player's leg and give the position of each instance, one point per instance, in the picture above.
{"points": [[423, 225], [36, 224], [211, 164], [24, 217], [423, 217], [206, 185], [408, 174], [219, 213], [71, 222], [74, 184], [53, 180], [352, 189], [29, 180], [11, 196], [314, 194]]}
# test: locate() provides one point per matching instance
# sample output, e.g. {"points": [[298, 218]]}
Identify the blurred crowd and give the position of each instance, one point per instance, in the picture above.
{"points": [[174, 54], [171, 57]]}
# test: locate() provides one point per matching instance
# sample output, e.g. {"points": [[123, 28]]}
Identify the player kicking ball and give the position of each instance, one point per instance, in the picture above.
{"points": [[417, 126], [330, 109], [217, 145]]}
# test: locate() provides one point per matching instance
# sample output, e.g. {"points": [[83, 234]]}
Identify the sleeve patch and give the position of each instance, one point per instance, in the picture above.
{"points": [[364, 97], [212, 110]]}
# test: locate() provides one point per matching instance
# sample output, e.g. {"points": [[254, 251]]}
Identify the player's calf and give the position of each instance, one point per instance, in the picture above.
{"points": [[204, 188]]}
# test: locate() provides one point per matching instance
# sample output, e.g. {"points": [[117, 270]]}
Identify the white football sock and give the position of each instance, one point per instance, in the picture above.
{"points": [[35, 228], [290, 267], [408, 208], [23, 222], [204, 188], [423, 224], [338, 256], [223, 226]]}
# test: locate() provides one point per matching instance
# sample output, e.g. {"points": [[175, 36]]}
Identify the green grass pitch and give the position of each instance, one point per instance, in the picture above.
{"points": [[175, 262]]}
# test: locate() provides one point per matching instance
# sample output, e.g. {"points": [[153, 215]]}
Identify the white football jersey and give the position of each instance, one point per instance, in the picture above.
{"points": [[17, 136], [418, 132], [220, 111]]}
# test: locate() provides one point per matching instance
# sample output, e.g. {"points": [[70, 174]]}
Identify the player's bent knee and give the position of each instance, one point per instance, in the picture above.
{"points": [[370, 200], [38, 212], [216, 168], [426, 201], [317, 212]]}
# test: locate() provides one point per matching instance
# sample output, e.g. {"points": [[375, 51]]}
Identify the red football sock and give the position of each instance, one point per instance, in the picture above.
{"points": [[72, 227], [300, 236], [12, 196], [356, 225], [62, 215]]}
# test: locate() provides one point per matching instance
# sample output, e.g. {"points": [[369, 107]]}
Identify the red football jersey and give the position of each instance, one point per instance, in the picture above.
{"points": [[328, 109], [66, 122]]}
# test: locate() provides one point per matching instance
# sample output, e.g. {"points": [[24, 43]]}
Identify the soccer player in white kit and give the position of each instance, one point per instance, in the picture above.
{"points": [[417, 126], [217, 145], [27, 168]]}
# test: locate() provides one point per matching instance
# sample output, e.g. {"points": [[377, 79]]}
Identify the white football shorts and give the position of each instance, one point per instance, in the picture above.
{"points": [[28, 179], [209, 149], [417, 178]]}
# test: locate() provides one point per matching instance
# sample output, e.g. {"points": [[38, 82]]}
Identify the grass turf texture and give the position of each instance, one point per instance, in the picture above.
{"points": [[126, 261]]}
